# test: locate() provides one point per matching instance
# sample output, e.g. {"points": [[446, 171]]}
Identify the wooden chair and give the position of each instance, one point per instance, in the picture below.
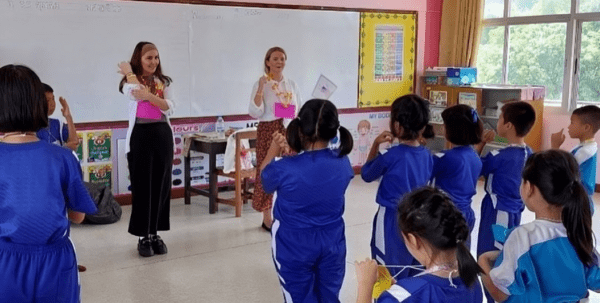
{"points": [[241, 177]]}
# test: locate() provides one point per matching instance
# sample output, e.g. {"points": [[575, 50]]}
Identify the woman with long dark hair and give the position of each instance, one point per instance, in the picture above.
{"points": [[149, 146]]}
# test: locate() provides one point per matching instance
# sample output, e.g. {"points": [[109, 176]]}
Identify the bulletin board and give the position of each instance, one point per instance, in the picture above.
{"points": [[387, 57]]}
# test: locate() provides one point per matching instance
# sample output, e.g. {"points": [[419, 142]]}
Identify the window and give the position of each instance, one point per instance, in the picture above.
{"points": [[536, 56], [539, 7], [555, 43], [589, 64]]}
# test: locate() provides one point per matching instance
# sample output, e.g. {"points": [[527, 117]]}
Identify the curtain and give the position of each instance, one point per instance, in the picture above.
{"points": [[460, 32]]}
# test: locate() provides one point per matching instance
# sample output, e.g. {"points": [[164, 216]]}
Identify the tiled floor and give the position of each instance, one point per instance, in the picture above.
{"points": [[213, 258]]}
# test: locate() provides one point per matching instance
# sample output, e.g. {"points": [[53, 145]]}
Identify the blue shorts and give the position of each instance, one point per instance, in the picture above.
{"points": [[39, 273], [387, 244], [310, 262]]}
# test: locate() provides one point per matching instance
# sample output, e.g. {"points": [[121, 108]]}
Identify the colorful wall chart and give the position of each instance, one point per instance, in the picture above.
{"points": [[387, 57]]}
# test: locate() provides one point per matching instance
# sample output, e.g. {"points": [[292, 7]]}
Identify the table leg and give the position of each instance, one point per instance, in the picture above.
{"points": [[212, 183], [187, 180]]}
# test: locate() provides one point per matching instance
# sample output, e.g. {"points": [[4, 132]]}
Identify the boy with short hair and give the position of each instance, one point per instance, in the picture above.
{"points": [[502, 169], [585, 122], [63, 134]]}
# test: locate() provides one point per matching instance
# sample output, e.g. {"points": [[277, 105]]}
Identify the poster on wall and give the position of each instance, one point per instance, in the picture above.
{"points": [[100, 174], [364, 127], [389, 53], [436, 115], [80, 147], [438, 98], [387, 57], [124, 184], [469, 99], [99, 146]]}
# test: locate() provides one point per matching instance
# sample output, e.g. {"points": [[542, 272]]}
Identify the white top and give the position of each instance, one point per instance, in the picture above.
{"points": [[127, 91], [265, 111]]}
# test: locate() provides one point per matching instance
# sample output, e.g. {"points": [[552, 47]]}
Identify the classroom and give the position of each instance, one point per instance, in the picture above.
{"points": [[185, 103]]}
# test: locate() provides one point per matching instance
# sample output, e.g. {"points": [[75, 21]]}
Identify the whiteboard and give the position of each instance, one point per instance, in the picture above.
{"points": [[213, 53]]}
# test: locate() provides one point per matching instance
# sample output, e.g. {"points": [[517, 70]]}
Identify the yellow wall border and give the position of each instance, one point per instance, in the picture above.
{"points": [[374, 92]]}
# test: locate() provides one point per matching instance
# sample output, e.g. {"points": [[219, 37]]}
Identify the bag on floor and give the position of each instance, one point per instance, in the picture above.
{"points": [[109, 211]]}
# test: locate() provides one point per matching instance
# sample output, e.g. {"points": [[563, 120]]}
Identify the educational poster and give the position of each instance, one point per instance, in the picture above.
{"points": [[99, 146], [80, 147], [469, 99], [364, 127], [124, 184], [387, 57], [438, 98], [436, 115], [100, 174]]}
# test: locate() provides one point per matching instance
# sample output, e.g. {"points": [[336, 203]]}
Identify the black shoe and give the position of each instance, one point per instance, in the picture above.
{"points": [[265, 227], [158, 245], [145, 247]]}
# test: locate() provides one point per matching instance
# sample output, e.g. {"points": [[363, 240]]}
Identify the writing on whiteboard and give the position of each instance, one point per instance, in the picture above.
{"points": [[41, 5], [104, 8], [201, 16], [48, 5], [247, 12]]}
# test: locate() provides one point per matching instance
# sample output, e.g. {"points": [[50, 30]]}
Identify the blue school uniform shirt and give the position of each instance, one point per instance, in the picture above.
{"points": [[502, 170], [56, 132], [456, 171], [38, 182], [539, 264], [432, 289], [586, 154], [402, 168], [310, 188]]}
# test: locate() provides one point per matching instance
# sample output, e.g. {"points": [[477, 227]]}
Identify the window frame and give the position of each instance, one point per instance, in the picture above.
{"points": [[574, 21]]}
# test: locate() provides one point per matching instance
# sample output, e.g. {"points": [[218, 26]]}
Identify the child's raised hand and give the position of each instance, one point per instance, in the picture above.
{"points": [[65, 107], [489, 135], [281, 141], [366, 272], [557, 139], [385, 136]]}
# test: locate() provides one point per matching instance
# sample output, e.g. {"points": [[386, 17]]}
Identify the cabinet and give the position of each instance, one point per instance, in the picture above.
{"points": [[486, 99]]}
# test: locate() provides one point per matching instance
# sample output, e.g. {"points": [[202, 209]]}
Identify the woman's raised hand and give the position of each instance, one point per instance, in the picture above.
{"points": [[124, 68]]}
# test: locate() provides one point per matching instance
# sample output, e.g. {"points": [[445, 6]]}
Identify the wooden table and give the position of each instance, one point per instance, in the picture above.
{"points": [[211, 146]]}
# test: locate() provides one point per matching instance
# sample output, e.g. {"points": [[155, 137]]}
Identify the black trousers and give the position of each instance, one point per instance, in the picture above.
{"points": [[150, 164]]}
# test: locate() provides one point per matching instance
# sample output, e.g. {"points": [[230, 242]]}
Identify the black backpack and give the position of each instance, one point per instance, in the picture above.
{"points": [[109, 211]]}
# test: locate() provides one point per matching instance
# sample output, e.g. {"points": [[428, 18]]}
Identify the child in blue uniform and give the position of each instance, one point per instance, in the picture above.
{"points": [[435, 232], [502, 170], [61, 134], [39, 183], [456, 170], [585, 122], [402, 168], [309, 245], [551, 259]]}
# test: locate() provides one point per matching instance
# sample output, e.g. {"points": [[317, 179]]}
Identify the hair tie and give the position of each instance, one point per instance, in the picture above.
{"points": [[474, 115], [458, 241]]}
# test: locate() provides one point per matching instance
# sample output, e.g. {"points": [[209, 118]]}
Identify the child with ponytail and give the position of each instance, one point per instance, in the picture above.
{"points": [[308, 241], [401, 168], [457, 170], [435, 233], [551, 259]]}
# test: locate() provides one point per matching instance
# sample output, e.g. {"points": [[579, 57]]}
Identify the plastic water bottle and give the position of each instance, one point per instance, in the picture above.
{"points": [[220, 127]]}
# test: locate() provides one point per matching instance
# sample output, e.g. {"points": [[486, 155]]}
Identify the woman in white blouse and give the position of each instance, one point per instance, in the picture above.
{"points": [[274, 98], [149, 146]]}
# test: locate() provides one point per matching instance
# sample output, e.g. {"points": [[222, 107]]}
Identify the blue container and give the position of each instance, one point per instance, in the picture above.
{"points": [[453, 72], [454, 81], [468, 75]]}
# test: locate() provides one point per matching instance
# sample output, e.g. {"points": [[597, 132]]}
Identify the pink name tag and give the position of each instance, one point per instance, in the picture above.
{"points": [[147, 110], [285, 112]]}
